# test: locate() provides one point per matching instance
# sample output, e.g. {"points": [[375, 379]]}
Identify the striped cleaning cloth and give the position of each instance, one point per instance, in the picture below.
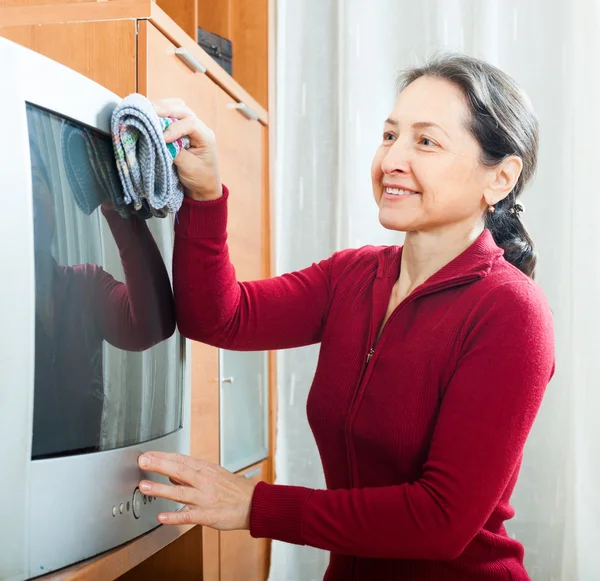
{"points": [[89, 163], [144, 161]]}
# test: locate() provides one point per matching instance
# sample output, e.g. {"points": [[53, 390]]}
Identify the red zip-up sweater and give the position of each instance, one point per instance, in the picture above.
{"points": [[421, 433]]}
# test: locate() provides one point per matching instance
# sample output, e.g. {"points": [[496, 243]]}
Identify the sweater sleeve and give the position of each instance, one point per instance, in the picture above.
{"points": [[485, 416], [213, 307], [139, 313]]}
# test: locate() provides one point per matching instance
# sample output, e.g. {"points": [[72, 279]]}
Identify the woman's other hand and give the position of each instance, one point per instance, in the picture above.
{"points": [[197, 166], [213, 496]]}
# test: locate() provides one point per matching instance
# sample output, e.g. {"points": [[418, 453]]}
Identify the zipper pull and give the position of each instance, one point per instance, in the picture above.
{"points": [[370, 354]]}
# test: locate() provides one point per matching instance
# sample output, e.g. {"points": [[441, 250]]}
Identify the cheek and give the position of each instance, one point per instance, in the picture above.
{"points": [[376, 171], [449, 182]]}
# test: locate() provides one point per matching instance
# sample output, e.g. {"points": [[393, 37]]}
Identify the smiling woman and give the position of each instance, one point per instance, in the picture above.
{"points": [[434, 356], [479, 126]]}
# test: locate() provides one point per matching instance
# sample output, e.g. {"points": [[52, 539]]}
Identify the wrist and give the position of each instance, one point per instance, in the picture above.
{"points": [[251, 486], [206, 194]]}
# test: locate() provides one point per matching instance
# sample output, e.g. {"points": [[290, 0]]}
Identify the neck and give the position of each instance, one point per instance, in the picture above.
{"points": [[425, 253]]}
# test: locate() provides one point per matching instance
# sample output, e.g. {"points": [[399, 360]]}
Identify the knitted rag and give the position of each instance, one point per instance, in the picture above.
{"points": [[144, 161], [90, 167]]}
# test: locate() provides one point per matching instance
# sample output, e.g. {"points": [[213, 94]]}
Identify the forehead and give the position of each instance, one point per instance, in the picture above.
{"points": [[433, 100]]}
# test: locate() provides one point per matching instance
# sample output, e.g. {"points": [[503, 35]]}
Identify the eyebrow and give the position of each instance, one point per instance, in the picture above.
{"points": [[418, 125]]}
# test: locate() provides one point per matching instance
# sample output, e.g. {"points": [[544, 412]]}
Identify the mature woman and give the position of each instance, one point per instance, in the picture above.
{"points": [[434, 356]]}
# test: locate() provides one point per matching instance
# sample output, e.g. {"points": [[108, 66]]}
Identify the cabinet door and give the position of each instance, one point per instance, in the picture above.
{"points": [[242, 557], [163, 75], [241, 150], [102, 51], [244, 408]]}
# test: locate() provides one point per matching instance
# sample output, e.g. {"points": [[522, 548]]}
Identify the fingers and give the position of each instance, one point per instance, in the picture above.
{"points": [[187, 124], [175, 466], [195, 463], [184, 158], [186, 516], [172, 108], [178, 493], [200, 135]]}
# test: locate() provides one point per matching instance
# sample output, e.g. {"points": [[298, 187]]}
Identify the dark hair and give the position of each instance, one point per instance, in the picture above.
{"points": [[503, 122]]}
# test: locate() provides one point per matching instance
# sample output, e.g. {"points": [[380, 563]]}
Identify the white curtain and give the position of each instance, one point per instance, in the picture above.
{"points": [[336, 66]]}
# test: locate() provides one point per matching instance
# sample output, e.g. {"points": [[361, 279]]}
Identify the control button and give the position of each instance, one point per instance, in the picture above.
{"points": [[121, 508], [128, 504], [136, 503], [114, 511]]}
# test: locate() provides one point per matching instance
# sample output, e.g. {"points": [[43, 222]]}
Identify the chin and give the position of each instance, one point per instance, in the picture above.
{"points": [[395, 222]]}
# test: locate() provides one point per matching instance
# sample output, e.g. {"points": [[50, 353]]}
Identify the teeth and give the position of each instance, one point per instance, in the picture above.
{"points": [[398, 192]]}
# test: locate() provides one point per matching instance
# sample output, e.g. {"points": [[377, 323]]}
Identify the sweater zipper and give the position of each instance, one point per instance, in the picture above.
{"points": [[436, 288], [365, 375], [371, 352]]}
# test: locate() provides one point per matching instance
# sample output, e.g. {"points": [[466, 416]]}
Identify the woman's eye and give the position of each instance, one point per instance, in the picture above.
{"points": [[426, 142], [387, 136]]}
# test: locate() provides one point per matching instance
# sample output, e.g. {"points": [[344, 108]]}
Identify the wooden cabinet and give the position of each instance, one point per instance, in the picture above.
{"points": [[240, 142], [246, 24], [132, 46], [240, 145], [243, 557], [181, 560], [163, 75], [84, 47]]}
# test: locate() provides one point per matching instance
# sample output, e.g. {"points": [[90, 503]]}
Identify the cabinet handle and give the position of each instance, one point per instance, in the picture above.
{"points": [[227, 380], [252, 473], [191, 61], [244, 110]]}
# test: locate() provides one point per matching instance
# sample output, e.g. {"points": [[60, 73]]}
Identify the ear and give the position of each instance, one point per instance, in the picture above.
{"points": [[503, 178]]}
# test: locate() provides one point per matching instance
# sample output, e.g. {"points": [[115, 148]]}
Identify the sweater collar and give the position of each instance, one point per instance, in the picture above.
{"points": [[475, 262]]}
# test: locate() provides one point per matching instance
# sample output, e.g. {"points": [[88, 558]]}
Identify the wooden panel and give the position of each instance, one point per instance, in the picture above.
{"points": [[115, 563], [23, 3], [249, 31], [205, 403], [267, 214], [75, 12], [243, 557], [214, 16], [240, 147], [14, 13], [163, 75], [181, 560], [174, 33], [205, 434], [246, 24], [102, 51], [157, 63], [183, 12]]}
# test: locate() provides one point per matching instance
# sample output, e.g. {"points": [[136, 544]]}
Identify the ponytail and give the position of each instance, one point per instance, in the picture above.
{"points": [[510, 234]]}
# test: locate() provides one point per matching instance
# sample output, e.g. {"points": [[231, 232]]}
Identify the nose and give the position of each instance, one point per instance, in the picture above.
{"points": [[396, 159]]}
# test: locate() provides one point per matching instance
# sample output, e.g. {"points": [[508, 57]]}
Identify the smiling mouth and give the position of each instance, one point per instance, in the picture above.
{"points": [[399, 192]]}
